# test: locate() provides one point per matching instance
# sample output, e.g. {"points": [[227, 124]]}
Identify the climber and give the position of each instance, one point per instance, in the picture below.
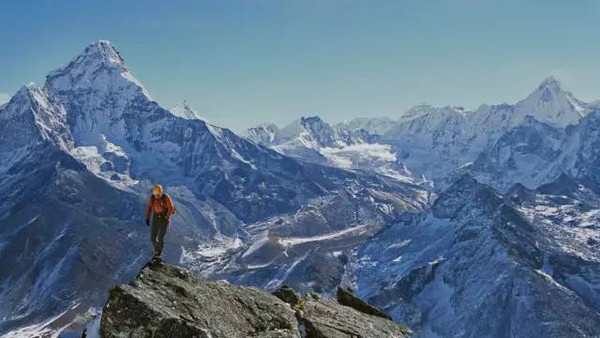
{"points": [[160, 207]]}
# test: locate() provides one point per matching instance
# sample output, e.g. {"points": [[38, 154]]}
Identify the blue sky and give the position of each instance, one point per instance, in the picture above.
{"points": [[240, 63]]}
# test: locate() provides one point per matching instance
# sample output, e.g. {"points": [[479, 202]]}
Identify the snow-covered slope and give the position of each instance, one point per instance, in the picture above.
{"points": [[536, 153], [79, 157], [134, 138], [526, 154], [263, 134], [314, 140], [426, 142], [481, 264], [551, 104], [184, 110], [434, 141], [34, 118], [57, 241], [377, 125], [32, 128]]}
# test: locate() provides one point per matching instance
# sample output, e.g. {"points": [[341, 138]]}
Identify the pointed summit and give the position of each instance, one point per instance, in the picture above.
{"points": [[105, 51], [550, 83], [100, 94], [550, 89], [304, 125], [99, 68], [98, 55], [184, 110], [550, 103]]}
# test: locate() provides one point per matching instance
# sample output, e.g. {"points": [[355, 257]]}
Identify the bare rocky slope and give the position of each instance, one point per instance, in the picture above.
{"points": [[166, 301]]}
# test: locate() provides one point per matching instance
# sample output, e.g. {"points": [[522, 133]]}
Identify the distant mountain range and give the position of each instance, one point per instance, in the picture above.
{"points": [[426, 142], [456, 222]]}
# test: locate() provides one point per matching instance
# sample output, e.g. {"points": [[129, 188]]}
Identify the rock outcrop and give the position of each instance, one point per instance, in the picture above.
{"points": [[348, 298], [166, 301], [288, 295], [325, 318]]}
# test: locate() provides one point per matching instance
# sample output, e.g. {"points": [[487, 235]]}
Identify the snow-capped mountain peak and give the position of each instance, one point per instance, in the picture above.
{"points": [[263, 134], [312, 131], [101, 95], [99, 67], [107, 52], [551, 104], [184, 110], [314, 140], [319, 129], [96, 55], [550, 83], [24, 95], [36, 115]]}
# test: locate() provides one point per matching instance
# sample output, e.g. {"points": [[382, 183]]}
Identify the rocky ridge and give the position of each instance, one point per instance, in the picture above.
{"points": [[168, 301]]}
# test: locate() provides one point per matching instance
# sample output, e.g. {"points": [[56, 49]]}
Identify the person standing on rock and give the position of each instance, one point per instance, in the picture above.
{"points": [[158, 214]]}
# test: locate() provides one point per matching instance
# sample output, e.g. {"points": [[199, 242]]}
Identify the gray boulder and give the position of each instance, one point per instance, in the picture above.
{"points": [[325, 318], [288, 295], [348, 298]]}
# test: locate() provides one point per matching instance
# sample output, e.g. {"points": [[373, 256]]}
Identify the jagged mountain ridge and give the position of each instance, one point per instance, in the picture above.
{"points": [[433, 141], [314, 140], [67, 233], [96, 117], [433, 270], [522, 264], [376, 126], [425, 141], [255, 216], [111, 106], [185, 111], [52, 225], [537, 153], [438, 140]]}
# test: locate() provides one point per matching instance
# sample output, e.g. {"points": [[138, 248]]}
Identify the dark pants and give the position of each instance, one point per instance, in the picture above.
{"points": [[158, 230]]}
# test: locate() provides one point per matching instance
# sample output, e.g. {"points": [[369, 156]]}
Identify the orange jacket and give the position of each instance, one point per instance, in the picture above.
{"points": [[155, 205]]}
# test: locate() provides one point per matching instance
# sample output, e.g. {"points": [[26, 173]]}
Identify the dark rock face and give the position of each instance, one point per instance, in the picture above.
{"points": [[165, 301], [346, 297], [325, 318], [288, 295]]}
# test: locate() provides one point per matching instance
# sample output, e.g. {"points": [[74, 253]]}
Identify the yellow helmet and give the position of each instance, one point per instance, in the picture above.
{"points": [[157, 189]]}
